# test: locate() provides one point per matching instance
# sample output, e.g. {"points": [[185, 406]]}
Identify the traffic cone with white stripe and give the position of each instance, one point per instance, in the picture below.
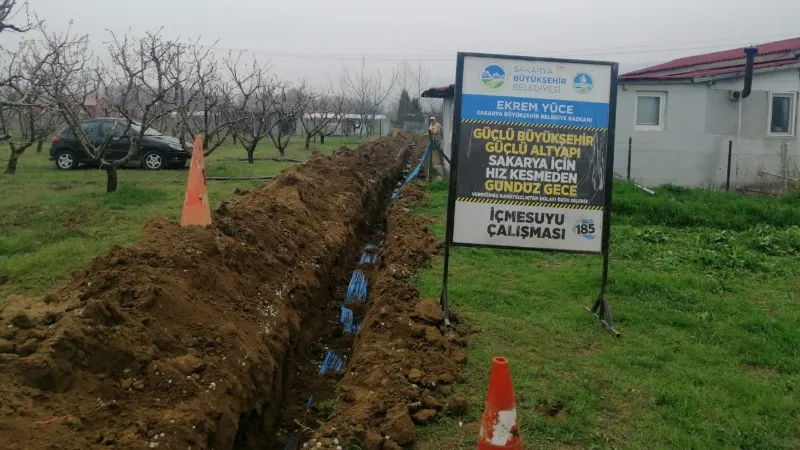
{"points": [[499, 428]]}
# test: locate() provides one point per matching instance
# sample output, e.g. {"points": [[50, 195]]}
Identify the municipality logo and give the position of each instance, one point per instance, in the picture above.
{"points": [[583, 83], [493, 77], [585, 228]]}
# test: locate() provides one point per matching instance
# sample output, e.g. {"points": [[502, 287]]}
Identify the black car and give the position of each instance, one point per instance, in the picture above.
{"points": [[158, 151]]}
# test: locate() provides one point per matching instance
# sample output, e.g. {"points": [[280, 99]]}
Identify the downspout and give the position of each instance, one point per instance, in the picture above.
{"points": [[750, 58], [750, 53]]}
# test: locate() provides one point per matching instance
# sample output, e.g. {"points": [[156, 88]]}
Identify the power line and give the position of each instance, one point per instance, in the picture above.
{"points": [[635, 49]]}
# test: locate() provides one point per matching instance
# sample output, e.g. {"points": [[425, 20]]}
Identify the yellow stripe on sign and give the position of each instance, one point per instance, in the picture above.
{"points": [[529, 204], [523, 124]]}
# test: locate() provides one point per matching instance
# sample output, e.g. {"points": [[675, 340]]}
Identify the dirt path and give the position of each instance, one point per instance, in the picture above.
{"points": [[190, 337]]}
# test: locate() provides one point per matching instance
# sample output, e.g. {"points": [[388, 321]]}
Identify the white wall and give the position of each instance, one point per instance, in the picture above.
{"points": [[448, 109], [682, 153], [700, 121], [779, 81]]}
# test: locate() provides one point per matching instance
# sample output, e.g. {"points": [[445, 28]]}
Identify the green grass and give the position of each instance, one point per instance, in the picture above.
{"points": [[704, 287], [53, 222]]}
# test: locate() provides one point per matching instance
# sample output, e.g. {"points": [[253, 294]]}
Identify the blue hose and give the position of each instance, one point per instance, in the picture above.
{"points": [[289, 442], [414, 172], [357, 289], [349, 320], [333, 362]]}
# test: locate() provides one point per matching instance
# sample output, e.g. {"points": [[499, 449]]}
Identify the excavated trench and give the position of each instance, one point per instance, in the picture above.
{"points": [[392, 365], [194, 338]]}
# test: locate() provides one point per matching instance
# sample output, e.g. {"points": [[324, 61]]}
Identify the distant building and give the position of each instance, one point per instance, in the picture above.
{"points": [[349, 124], [415, 123], [683, 115], [93, 107]]}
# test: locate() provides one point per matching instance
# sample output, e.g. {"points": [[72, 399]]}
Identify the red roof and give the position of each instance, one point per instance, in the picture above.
{"points": [[440, 92], [771, 54]]}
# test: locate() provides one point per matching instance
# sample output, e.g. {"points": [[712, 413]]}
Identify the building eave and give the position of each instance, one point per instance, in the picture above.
{"points": [[740, 73], [654, 81]]}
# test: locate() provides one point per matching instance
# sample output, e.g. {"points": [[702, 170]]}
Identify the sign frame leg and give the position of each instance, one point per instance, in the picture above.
{"points": [[443, 298], [601, 309]]}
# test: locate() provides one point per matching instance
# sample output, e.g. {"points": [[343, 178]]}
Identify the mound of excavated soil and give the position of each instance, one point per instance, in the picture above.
{"points": [[187, 338], [405, 360]]}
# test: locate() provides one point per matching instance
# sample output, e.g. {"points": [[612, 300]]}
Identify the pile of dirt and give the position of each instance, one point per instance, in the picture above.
{"points": [[405, 359], [189, 337]]}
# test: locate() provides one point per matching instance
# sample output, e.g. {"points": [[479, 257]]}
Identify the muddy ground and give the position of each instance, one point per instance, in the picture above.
{"points": [[190, 337], [404, 362]]}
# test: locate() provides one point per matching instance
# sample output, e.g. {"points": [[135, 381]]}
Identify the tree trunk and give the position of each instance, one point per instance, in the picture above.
{"points": [[308, 141], [11, 169], [39, 146], [322, 139], [234, 138], [250, 155], [282, 150], [111, 175]]}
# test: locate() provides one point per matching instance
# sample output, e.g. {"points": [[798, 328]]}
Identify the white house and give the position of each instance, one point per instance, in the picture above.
{"points": [[682, 117]]}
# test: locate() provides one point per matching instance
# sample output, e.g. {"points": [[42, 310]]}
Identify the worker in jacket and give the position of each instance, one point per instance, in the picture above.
{"points": [[435, 136]]}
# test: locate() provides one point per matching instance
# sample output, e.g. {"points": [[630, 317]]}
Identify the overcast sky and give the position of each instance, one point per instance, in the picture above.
{"points": [[311, 39]]}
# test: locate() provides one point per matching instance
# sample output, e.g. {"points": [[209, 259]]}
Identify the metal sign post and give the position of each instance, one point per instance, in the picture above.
{"points": [[532, 158]]}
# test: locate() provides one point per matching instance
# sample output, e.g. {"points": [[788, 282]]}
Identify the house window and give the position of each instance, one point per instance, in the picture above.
{"points": [[781, 114], [650, 111]]}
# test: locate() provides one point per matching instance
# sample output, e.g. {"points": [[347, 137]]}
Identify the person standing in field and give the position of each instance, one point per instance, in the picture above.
{"points": [[435, 134]]}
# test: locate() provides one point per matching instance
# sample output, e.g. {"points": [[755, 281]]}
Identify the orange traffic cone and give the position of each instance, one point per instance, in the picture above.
{"points": [[500, 429], [196, 210]]}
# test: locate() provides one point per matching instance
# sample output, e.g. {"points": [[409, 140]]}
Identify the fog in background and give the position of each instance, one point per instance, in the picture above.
{"points": [[313, 39]]}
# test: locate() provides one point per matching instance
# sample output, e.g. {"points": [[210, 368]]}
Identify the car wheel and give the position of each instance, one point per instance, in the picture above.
{"points": [[153, 160], [66, 161]]}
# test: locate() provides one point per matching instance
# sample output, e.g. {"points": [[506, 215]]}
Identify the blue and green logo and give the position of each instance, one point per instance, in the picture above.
{"points": [[583, 83], [493, 77]]}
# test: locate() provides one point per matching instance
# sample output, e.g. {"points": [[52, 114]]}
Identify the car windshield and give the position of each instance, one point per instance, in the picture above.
{"points": [[147, 131]]}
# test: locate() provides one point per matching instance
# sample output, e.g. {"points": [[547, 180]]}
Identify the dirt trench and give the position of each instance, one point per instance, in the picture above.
{"points": [[404, 361], [190, 338]]}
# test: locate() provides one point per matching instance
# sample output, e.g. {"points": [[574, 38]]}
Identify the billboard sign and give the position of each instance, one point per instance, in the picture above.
{"points": [[533, 153]]}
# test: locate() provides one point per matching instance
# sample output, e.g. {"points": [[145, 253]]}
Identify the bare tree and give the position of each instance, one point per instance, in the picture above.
{"points": [[201, 68], [405, 76], [48, 123], [320, 114], [212, 113], [24, 108], [366, 91], [73, 80], [8, 13], [254, 97], [435, 107], [136, 86], [421, 78], [286, 108], [141, 85]]}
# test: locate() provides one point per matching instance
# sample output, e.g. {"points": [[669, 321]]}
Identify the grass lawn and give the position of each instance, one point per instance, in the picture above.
{"points": [[53, 222], [704, 287]]}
